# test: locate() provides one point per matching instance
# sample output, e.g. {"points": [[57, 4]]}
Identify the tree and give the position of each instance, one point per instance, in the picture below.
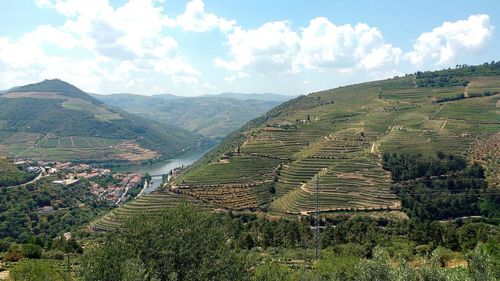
{"points": [[37, 270], [179, 244], [31, 251], [147, 177], [480, 265]]}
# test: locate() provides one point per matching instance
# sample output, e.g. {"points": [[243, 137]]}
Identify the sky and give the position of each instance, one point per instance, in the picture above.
{"points": [[197, 47]]}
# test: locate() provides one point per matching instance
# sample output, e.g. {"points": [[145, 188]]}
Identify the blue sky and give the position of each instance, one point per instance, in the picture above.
{"points": [[197, 47]]}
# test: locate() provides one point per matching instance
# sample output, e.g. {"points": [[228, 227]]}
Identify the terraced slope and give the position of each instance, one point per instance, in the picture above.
{"points": [[54, 120], [336, 138], [151, 203]]}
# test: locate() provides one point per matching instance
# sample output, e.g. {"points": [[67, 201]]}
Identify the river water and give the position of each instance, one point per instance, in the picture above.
{"points": [[164, 167]]}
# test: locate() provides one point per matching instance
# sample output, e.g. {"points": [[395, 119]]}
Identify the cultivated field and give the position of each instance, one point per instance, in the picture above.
{"points": [[51, 147], [336, 138]]}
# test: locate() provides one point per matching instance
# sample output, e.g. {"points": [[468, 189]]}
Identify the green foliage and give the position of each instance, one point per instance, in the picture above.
{"points": [[31, 251], [12, 175], [454, 77], [376, 269], [410, 166], [338, 267], [29, 114], [22, 220], [480, 265], [55, 86], [439, 188], [180, 244], [211, 116], [272, 271], [445, 99], [38, 270]]}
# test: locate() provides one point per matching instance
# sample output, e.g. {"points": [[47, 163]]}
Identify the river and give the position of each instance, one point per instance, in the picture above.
{"points": [[164, 167]]}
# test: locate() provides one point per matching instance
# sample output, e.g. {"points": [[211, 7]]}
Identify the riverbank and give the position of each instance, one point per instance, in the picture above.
{"points": [[157, 170]]}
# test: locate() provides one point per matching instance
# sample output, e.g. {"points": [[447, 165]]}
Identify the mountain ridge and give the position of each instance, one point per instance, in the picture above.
{"points": [[210, 115], [55, 117]]}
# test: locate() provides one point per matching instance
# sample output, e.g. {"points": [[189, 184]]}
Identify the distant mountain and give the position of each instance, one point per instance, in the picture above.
{"points": [[55, 120], [213, 116], [254, 96]]}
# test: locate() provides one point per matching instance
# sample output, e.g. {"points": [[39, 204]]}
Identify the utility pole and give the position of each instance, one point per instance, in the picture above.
{"points": [[69, 264], [316, 221]]}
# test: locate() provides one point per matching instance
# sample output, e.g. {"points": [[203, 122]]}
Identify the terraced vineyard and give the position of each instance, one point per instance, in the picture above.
{"points": [[151, 203], [336, 138]]}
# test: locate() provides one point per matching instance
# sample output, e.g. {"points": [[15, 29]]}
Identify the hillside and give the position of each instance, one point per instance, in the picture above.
{"points": [[11, 174], [213, 116], [336, 138], [54, 120]]}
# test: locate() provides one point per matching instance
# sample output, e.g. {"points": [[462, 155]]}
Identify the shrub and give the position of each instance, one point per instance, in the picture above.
{"points": [[31, 251], [12, 257], [37, 270]]}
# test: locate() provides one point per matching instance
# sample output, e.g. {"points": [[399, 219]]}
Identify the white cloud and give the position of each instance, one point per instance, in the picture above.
{"points": [[196, 19], [238, 75], [269, 48], [276, 48], [119, 42], [325, 45], [445, 43]]}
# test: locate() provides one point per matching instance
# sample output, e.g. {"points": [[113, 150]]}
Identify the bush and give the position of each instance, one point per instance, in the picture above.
{"points": [[37, 270], [12, 257], [31, 251], [180, 244], [53, 255], [480, 265], [272, 271]]}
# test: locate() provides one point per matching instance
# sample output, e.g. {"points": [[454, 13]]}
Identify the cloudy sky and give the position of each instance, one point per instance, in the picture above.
{"points": [[197, 47]]}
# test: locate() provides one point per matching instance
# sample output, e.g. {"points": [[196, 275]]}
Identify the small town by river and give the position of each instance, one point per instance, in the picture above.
{"points": [[164, 167]]}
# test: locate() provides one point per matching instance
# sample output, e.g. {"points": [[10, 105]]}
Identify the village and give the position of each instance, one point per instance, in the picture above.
{"points": [[112, 188]]}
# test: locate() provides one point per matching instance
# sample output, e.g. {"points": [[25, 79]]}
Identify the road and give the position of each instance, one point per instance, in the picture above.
{"points": [[40, 176]]}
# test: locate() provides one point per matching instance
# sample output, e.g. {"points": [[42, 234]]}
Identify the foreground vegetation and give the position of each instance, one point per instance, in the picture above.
{"points": [[185, 244]]}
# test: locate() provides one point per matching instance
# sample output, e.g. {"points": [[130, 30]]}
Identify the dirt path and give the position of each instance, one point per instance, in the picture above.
{"points": [[4, 275], [466, 90], [87, 141], [26, 150], [444, 124]]}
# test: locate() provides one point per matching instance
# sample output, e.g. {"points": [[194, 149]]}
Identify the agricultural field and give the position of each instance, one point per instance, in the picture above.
{"points": [[152, 203], [334, 141], [71, 148]]}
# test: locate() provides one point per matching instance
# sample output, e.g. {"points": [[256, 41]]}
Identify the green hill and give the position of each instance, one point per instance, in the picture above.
{"points": [[336, 138], [212, 116], [56, 121], [11, 174]]}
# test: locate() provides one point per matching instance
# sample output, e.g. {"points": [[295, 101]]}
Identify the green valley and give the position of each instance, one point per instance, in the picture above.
{"points": [[53, 120], [213, 116]]}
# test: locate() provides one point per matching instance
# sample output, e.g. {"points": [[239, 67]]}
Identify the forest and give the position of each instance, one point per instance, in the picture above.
{"points": [[455, 76]]}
